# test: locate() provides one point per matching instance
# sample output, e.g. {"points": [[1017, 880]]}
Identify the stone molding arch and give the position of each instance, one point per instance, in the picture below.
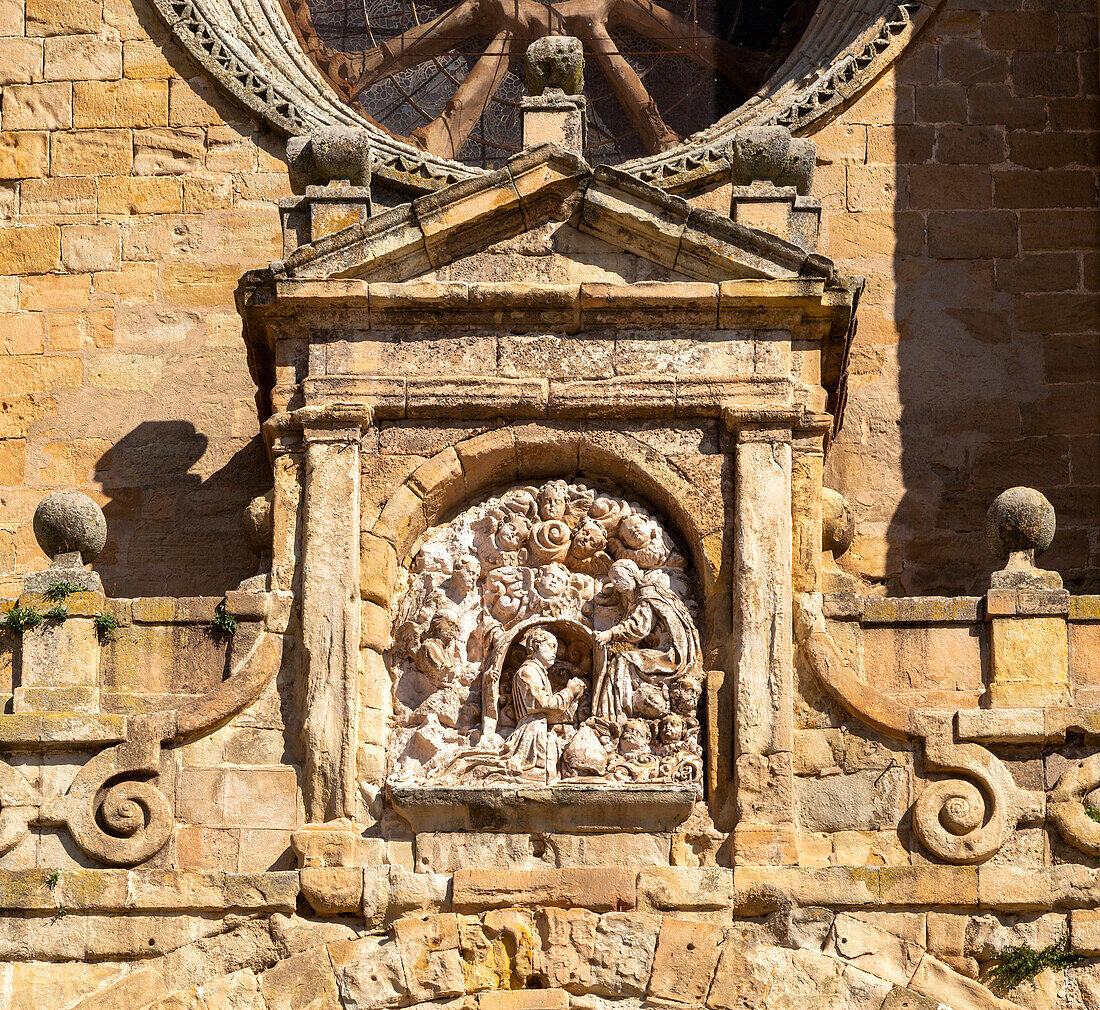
{"points": [[436, 490]]}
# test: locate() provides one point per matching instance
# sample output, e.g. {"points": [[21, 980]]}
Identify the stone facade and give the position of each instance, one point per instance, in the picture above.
{"points": [[546, 669]]}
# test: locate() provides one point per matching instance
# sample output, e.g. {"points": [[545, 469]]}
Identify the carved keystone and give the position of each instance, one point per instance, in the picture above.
{"points": [[770, 154], [329, 154], [555, 61], [71, 529]]}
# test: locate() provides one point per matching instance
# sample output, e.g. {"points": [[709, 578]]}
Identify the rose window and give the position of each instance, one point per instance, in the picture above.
{"points": [[448, 77]]}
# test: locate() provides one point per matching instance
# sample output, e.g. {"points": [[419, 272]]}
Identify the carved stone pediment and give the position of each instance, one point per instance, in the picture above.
{"points": [[540, 185]]}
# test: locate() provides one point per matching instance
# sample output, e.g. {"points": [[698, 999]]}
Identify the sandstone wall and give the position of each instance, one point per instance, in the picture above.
{"points": [[137, 196], [977, 362]]}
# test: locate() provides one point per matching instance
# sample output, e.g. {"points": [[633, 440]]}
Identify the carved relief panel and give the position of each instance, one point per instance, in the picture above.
{"points": [[549, 633]]}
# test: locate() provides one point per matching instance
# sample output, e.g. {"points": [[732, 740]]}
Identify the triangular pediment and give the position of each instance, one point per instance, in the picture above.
{"points": [[603, 207]]}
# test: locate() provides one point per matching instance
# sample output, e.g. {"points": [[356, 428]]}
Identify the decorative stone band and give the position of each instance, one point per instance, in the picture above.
{"points": [[970, 818], [251, 51], [114, 810]]}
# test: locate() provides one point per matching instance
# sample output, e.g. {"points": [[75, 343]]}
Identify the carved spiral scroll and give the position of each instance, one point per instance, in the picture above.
{"points": [[961, 820], [956, 820], [1066, 806], [113, 811]]}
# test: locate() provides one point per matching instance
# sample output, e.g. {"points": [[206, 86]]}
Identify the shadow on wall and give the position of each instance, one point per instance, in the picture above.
{"points": [[993, 313], [171, 531]]}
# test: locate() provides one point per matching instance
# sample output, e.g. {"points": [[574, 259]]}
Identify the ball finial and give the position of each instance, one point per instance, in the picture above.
{"points": [[838, 524], [68, 522], [1020, 519]]}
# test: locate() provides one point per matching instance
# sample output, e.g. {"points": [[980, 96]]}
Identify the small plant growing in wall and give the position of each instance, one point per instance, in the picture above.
{"points": [[105, 626], [57, 591], [18, 619], [56, 613], [52, 878], [59, 913], [224, 623], [1022, 963], [1093, 813]]}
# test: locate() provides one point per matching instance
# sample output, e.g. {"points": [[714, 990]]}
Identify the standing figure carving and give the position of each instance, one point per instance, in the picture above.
{"points": [[655, 644], [547, 633]]}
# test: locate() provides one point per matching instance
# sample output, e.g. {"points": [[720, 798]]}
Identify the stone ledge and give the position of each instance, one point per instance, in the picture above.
{"points": [[591, 305], [182, 891], [563, 807], [902, 609], [44, 730], [1084, 608], [605, 889], [922, 610]]}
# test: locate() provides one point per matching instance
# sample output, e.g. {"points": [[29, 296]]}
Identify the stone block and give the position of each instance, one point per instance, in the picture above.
{"points": [[304, 980], [1029, 662], [569, 939], [622, 953], [685, 888], [239, 797], [430, 956], [91, 152], [873, 950], [940, 982], [23, 155], [145, 58], [377, 569], [863, 801], [20, 60], [136, 989], [1084, 925], [685, 960], [82, 58], [600, 889], [63, 17], [140, 195], [239, 990], [125, 103], [86, 247], [333, 890], [38, 106], [58, 198], [369, 972], [529, 999], [742, 976]]}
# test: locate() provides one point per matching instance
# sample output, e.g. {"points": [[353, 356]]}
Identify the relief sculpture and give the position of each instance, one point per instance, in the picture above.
{"points": [[548, 634]]}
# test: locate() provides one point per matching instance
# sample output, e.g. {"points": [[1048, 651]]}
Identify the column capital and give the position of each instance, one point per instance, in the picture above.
{"points": [[767, 423], [331, 422]]}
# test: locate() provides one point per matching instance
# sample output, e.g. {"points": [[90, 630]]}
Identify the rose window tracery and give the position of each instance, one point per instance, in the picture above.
{"points": [[548, 634], [448, 76]]}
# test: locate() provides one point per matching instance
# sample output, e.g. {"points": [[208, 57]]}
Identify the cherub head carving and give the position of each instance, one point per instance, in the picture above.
{"points": [[553, 500]]}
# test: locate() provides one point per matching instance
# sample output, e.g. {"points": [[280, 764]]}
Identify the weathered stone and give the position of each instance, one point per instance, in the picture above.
{"points": [[685, 960], [622, 953], [603, 889], [430, 955], [369, 973]]}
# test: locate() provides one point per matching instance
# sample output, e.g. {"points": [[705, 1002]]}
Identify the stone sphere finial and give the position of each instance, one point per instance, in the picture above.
{"points": [[1020, 519], [555, 61], [838, 523], [67, 522]]}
